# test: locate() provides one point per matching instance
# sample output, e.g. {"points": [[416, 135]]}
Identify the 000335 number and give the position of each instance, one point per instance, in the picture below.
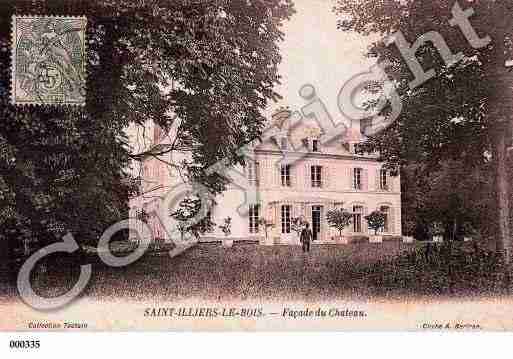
{"points": [[24, 344]]}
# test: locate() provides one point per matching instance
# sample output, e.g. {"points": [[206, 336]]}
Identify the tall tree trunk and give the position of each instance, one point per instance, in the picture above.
{"points": [[501, 113], [454, 228], [4, 261], [503, 244]]}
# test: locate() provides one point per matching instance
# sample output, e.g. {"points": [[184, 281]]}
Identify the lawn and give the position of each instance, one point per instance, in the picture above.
{"points": [[248, 271]]}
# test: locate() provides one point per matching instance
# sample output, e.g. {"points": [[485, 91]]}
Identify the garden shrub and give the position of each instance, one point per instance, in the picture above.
{"points": [[445, 268]]}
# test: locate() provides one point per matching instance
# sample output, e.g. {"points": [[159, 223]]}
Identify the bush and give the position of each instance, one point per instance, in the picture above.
{"points": [[359, 239], [447, 268], [392, 238]]}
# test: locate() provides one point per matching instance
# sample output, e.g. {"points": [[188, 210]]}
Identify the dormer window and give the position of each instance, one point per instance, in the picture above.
{"points": [[311, 145], [315, 146], [358, 149], [284, 143]]}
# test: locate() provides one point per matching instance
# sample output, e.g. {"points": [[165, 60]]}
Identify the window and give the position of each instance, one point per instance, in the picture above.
{"points": [[254, 218], [209, 217], [358, 149], [306, 143], [386, 212], [285, 219], [252, 172], [357, 219], [316, 176], [284, 143], [285, 176], [383, 180], [357, 178], [315, 145]]}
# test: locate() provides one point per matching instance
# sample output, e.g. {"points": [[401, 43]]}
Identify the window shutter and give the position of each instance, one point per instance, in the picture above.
{"points": [[262, 171], [278, 173], [295, 210], [365, 226], [350, 174], [269, 214], [391, 220], [365, 179], [378, 179], [325, 177], [308, 177], [276, 176], [257, 173]]}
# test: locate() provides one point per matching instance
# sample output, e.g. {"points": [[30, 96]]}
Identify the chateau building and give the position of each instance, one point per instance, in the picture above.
{"points": [[292, 175]]}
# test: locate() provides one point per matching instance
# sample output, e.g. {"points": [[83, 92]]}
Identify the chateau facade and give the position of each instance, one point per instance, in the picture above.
{"points": [[292, 175]]}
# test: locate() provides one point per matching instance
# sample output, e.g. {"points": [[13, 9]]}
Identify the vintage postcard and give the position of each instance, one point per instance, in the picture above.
{"points": [[248, 165]]}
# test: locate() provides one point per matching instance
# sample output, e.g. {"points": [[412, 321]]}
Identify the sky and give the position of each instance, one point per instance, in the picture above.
{"points": [[315, 52]]}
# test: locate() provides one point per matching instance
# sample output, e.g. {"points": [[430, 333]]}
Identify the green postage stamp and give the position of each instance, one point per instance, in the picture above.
{"points": [[48, 64]]}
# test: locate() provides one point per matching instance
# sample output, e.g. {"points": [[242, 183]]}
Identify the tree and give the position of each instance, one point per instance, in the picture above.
{"points": [[207, 68], [266, 223], [186, 211], [464, 111], [466, 205], [226, 227], [339, 219], [376, 220], [454, 194]]}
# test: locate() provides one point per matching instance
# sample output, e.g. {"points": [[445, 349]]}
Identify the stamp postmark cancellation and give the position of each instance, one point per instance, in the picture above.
{"points": [[48, 60]]}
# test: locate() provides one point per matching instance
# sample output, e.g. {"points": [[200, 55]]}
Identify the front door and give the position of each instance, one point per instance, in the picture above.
{"points": [[316, 222]]}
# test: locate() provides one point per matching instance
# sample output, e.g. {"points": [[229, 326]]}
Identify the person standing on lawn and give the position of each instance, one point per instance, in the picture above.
{"points": [[306, 237]]}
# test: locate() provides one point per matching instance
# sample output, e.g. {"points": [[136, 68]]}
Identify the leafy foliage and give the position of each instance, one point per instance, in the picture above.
{"points": [[184, 214], [207, 68], [446, 269], [142, 216], [376, 220], [339, 218], [226, 227], [455, 116]]}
